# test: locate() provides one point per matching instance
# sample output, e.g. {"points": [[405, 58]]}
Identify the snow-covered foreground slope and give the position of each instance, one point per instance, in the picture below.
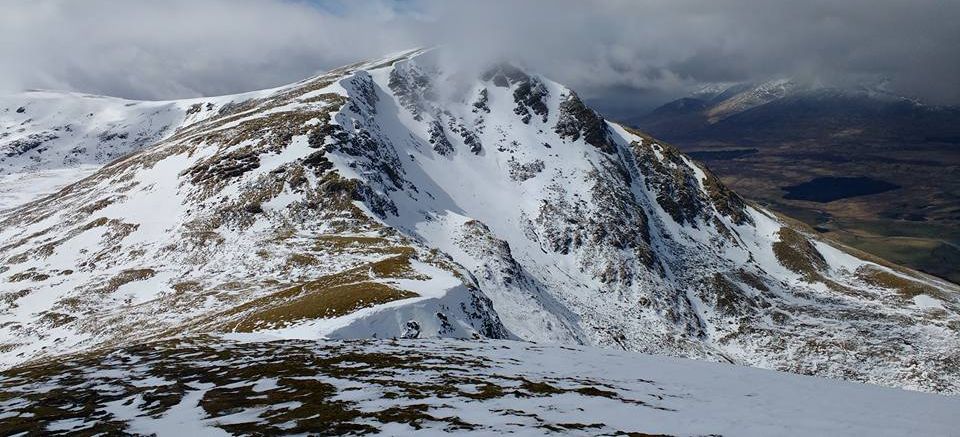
{"points": [[209, 386], [400, 198]]}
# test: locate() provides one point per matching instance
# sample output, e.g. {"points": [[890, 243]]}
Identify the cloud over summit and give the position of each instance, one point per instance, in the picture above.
{"points": [[623, 52]]}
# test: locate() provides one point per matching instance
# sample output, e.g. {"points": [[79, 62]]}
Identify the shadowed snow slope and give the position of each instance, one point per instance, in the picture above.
{"points": [[398, 198], [208, 386]]}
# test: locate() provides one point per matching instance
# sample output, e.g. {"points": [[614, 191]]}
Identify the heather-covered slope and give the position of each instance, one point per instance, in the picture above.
{"points": [[400, 198]]}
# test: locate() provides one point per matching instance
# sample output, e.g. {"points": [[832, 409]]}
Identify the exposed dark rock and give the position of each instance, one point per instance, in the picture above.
{"points": [[577, 120], [481, 103], [522, 172], [110, 136], [378, 203], [412, 87], [445, 327], [253, 208], [471, 140], [504, 75], [224, 166], [678, 191], [672, 181], [318, 161], [318, 137], [615, 221], [31, 142], [529, 96], [469, 137], [366, 92], [439, 139], [411, 330], [725, 200], [358, 143]]}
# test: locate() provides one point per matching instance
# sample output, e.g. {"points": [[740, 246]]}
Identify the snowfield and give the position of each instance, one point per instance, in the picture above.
{"points": [[50, 139], [21, 188], [210, 386]]}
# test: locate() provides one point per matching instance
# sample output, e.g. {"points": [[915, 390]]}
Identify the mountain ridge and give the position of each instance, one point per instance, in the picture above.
{"points": [[364, 202], [787, 108]]}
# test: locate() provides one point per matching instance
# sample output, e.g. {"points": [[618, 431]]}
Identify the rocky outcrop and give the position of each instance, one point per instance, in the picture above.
{"points": [[577, 120]]}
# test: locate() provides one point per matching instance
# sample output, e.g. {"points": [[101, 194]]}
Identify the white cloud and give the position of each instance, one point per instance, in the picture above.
{"points": [[604, 48], [180, 48]]}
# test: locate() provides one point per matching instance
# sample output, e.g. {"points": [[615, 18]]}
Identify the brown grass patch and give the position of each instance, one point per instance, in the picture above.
{"points": [[797, 253], [126, 277], [330, 296], [906, 287], [55, 320], [187, 287], [324, 303], [752, 280]]}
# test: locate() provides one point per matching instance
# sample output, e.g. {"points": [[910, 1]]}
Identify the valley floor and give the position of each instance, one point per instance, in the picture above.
{"points": [[916, 225], [215, 386]]}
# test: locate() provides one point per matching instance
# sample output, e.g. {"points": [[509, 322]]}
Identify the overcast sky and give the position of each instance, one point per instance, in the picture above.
{"points": [[623, 54]]}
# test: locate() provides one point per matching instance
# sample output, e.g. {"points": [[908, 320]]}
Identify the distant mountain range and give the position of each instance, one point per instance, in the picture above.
{"points": [[785, 110]]}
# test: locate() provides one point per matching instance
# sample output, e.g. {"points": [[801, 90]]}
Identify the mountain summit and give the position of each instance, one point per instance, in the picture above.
{"points": [[399, 198]]}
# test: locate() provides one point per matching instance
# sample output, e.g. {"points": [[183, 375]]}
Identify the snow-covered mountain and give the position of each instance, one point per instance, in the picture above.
{"points": [[48, 130], [49, 139], [213, 387], [402, 198], [789, 109], [723, 101]]}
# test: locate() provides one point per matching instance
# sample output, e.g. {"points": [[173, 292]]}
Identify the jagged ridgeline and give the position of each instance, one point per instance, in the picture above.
{"points": [[397, 198]]}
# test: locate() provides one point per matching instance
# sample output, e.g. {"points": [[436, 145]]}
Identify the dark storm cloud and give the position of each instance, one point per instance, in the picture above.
{"points": [[610, 50]]}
